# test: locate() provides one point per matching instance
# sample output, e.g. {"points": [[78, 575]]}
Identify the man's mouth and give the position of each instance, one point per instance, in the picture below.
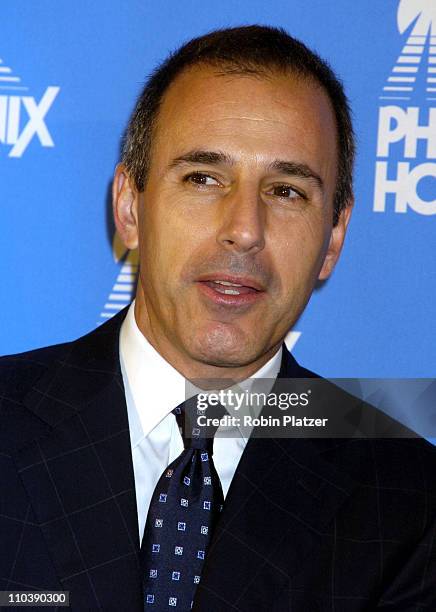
{"points": [[230, 291], [228, 288]]}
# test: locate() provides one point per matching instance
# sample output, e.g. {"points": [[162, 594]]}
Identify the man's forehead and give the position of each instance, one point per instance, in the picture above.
{"points": [[271, 114], [209, 85]]}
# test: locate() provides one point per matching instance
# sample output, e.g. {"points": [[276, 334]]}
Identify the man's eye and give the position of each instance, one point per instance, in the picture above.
{"points": [[285, 191], [199, 178]]}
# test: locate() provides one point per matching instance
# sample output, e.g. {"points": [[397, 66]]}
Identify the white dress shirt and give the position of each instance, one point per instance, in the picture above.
{"points": [[153, 389]]}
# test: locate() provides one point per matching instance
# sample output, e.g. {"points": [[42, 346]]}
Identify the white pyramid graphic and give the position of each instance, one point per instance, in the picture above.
{"points": [[123, 290], [401, 82], [9, 80]]}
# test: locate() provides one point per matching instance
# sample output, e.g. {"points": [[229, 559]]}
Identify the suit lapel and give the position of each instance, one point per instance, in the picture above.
{"points": [[79, 476], [283, 495]]}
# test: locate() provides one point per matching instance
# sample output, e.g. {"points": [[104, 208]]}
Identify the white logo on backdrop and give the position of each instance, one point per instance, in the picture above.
{"points": [[22, 117], [123, 290], [407, 130]]}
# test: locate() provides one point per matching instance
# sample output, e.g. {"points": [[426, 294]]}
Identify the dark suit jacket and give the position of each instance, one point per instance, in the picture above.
{"points": [[331, 525]]}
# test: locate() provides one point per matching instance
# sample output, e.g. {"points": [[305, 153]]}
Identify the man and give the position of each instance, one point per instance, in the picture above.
{"points": [[236, 188]]}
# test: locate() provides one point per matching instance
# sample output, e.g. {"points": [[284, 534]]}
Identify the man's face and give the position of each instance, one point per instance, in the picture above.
{"points": [[240, 190]]}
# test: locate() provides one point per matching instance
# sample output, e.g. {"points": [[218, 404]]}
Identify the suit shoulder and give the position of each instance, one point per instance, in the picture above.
{"points": [[26, 378], [380, 451], [18, 372], [39, 356], [386, 464]]}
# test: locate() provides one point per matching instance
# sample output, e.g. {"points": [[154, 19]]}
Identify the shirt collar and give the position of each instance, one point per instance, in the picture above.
{"points": [[153, 386]]}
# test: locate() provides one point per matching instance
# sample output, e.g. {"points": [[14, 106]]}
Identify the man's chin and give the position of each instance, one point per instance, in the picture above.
{"points": [[224, 352]]}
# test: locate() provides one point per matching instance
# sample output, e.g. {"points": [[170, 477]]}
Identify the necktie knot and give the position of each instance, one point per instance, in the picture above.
{"points": [[198, 422]]}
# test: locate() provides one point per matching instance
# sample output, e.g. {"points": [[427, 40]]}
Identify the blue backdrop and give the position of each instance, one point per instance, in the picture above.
{"points": [[69, 76]]}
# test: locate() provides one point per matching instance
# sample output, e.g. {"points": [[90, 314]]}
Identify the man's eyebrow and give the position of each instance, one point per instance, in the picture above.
{"points": [[203, 157], [296, 169], [219, 157]]}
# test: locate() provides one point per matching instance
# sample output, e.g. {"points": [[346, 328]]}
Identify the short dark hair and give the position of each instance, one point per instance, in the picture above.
{"points": [[249, 49]]}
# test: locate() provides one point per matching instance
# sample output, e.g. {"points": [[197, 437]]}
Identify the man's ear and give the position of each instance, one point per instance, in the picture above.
{"points": [[336, 242], [125, 207]]}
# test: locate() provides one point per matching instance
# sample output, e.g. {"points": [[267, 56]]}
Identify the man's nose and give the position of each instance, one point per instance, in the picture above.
{"points": [[242, 222]]}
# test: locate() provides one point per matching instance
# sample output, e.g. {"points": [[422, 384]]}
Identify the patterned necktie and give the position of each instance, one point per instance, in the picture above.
{"points": [[183, 512]]}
